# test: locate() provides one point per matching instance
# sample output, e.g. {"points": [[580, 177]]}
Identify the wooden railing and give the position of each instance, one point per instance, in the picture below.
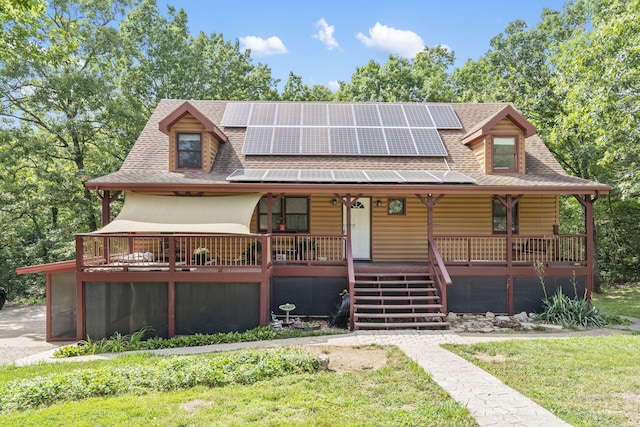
{"points": [[439, 272], [554, 249], [308, 248], [207, 251]]}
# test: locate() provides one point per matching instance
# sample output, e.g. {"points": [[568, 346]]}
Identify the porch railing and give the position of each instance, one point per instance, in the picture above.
{"points": [[440, 273], [555, 249], [205, 251]]}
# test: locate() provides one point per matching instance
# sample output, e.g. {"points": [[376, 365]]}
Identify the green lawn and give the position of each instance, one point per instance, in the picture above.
{"points": [[398, 394], [586, 381], [620, 300]]}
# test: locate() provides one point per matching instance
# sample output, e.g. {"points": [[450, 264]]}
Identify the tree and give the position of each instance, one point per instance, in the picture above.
{"points": [[422, 79], [295, 90], [164, 61]]}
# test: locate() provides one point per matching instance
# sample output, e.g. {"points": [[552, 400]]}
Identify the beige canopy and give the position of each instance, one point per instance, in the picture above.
{"points": [[143, 213]]}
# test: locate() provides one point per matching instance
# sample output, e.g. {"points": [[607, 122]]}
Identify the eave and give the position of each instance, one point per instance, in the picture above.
{"points": [[391, 189], [186, 108], [51, 268]]}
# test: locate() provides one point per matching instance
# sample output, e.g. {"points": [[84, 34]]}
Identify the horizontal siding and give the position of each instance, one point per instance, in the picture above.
{"points": [[462, 215], [538, 214], [325, 217], [188, 123], [479, 150], [399, 237]]}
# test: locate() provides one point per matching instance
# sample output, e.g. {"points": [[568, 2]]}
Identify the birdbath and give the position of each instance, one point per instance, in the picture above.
{"points": [[287, 308]]}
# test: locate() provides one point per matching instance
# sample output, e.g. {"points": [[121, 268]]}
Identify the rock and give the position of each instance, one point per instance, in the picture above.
{"points": [[522, 316], [324, 362], [490, 315], [506, 322], [550, 326], [452, 317]]}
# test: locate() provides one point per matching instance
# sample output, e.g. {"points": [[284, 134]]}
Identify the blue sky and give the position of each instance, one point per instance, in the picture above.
{"points": [[324, 41]]}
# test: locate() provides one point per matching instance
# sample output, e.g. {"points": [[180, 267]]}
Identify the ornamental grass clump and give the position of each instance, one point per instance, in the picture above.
{"points": [[560, 309]]}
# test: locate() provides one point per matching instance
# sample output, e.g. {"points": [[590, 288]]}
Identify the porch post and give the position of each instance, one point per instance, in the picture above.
{"points": [[509, 202], [430, 203], [270, 200], [107, 198], [80, 324], [587, 201]]}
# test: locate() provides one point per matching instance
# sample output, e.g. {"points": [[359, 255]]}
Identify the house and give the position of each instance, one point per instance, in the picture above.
{"points": [[234, 208]]}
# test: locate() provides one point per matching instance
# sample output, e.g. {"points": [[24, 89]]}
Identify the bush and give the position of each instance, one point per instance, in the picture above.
{"points": [[144, 340], [156, 373], [570, 312]]}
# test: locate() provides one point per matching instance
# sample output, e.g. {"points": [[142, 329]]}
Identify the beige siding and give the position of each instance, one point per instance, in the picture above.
{"points": [[538, 214], [188, 123], [325, 218], [480, 151], [399, 237], [462, 215], [508, 128]]}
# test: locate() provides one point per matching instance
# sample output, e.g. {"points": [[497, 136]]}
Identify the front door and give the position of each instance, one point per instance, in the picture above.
{"points": [[360, 228]]}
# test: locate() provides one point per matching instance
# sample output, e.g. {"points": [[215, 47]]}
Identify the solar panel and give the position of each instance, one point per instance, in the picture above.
{"points": [[315, 140], [444, 117], [400, 142], [343, 141], [290, 175], [418, 116], [366, 115], [341, 115], [383, 176], [392, 115], [263, 114], [416, 177], [236, 114], [257, 140], [286, 140], [452, 177], [428, 142], [289, 114], [371, 142], [314, 175], [349, 176], [315, 115], [247, 175]]}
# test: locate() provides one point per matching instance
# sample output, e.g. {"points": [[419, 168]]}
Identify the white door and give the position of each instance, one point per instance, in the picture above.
{"points": [[360, 228]]}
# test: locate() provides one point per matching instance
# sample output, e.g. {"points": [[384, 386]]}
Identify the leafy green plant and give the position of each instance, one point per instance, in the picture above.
{"points": [[560, 309], [144, 339], [155, 373]]}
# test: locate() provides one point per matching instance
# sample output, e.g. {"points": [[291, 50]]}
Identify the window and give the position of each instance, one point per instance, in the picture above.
{"points": [[500, 218], [505, 154], [189, 151], [293, 212]]}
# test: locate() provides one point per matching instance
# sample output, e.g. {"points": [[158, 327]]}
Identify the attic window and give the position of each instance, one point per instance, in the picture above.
{"points": [[189, 151], [505, 154]]}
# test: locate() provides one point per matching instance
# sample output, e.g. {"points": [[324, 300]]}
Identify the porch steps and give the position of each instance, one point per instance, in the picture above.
{"points": [[385, 299]]}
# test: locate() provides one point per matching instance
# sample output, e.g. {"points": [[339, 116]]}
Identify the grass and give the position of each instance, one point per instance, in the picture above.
{"points": [[400, 393], [586, 381], [621, 300]]}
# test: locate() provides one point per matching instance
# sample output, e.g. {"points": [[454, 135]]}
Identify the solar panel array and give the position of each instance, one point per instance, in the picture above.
{"points": [[375, 129], [349, 176]]}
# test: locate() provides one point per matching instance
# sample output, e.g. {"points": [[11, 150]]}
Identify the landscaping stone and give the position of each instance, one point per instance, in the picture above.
{"points": [[490, 322]]}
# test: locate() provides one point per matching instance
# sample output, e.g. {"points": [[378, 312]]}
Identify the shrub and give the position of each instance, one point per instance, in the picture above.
{"points": [[156, 373], [143, 340]]}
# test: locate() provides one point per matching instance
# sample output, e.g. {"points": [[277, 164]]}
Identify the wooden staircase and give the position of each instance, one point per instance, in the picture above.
{"points": [[391, 300]]}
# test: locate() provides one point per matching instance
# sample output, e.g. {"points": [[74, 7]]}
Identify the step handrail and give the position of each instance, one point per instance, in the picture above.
{"points": [[352, 283], [440, 273]]}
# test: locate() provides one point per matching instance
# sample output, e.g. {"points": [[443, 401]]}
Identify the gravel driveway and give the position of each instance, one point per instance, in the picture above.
{"points": [[22, 332]]}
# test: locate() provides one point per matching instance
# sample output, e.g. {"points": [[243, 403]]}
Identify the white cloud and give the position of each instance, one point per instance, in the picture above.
{"points": [[263, 47], [387, 39], [334, 85], [325, 35]]}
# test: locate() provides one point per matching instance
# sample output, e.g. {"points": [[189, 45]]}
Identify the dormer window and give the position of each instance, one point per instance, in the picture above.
{"points": [[189, 151], [505, 154]]}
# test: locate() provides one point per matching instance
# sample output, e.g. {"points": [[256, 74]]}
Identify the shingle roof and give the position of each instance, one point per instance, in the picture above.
{"points": [[147, 162]]}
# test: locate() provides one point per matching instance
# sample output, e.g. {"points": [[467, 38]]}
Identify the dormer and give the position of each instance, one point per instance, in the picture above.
{"points": [[499, 141], [193, 139]]}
